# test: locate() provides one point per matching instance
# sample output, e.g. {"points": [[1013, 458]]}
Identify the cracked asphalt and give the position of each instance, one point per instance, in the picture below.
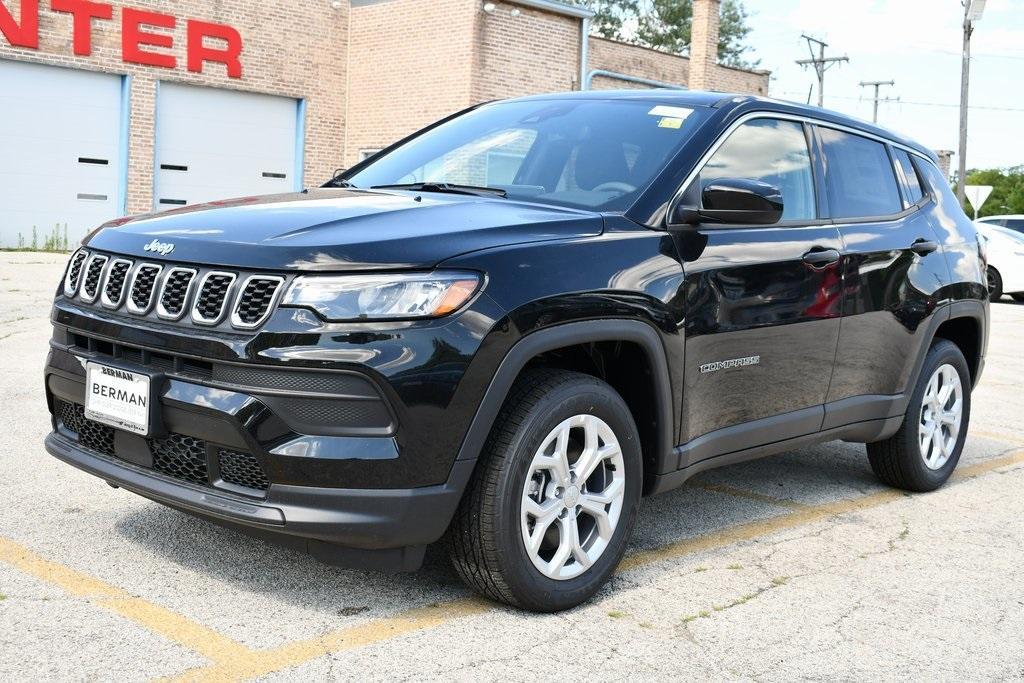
{"points": [[799, 566]]}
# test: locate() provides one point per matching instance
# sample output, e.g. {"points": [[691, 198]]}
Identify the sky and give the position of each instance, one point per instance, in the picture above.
{"points": [[916, 43]]}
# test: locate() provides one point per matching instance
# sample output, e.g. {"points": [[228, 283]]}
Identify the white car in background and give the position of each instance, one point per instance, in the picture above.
{"points": [[1014, 222], [1005, 248]]}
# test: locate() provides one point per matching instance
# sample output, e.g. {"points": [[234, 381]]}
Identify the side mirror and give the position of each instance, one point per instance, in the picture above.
{"points": [[731, 200]]}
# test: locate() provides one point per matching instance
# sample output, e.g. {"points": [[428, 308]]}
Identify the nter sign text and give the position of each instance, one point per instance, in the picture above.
{"points": [[137, 34]]}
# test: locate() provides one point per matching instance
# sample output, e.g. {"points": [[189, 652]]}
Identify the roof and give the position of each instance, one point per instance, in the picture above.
{"points": [[696, 98], [558, 8]]}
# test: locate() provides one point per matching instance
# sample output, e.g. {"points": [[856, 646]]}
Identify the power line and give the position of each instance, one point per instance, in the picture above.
{"points": [[913, 102], [821, 63], [876, 85]]}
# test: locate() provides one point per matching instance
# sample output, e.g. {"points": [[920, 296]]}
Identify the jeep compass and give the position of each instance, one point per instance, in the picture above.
{"points": [[503, 331]]}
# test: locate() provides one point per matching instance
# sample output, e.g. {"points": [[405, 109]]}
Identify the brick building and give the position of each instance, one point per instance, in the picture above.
{"points": [[110, 107]]}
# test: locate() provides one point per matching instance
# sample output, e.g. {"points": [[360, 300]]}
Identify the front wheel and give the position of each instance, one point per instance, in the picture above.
{"points": [[922, 455], [549, 511]]}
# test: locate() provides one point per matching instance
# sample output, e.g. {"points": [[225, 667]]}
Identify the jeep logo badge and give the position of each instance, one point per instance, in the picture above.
{"points": [[162, 248]]}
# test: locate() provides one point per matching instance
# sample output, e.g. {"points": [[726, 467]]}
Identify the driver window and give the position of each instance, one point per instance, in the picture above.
{"points": [[772, 151]]}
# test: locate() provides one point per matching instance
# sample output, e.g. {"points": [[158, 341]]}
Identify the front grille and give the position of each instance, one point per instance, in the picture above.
{"points": [[176, 293], [113, 290], [213, 294], [257, 297], [92, 435], [74, 273], [176, 455], [182, 457], [142, 288], [242, 469], [93, 272], [174, 296]]}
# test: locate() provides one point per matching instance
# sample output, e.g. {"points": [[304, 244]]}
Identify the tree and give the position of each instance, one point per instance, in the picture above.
{"points": [[666, 25], [1007, 190]]}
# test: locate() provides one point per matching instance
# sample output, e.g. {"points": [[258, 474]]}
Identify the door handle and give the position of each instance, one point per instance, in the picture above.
{"points": [[821, 257], [923, 247]]}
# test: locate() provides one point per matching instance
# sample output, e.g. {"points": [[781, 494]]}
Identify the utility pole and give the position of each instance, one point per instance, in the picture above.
{"points": [[821, 63], [973, 9], [877, 85]]}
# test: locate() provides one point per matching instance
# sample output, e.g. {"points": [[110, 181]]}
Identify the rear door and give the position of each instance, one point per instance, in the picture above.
{"points": [[763, 302], [893, 272]]}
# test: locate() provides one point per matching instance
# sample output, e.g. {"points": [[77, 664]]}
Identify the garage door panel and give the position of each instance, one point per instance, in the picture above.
{"points": [[217, 144], [53, 117]]}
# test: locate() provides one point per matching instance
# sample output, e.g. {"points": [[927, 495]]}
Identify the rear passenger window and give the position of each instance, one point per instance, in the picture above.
{"points": [[860, 177], [774, 152], [913, 187]]}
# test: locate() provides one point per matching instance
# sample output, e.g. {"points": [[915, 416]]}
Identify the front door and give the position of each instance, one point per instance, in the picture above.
{"points": [[763, 303]]}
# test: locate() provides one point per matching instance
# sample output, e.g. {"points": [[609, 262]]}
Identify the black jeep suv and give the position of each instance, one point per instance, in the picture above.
{"points": [[506, 329]]}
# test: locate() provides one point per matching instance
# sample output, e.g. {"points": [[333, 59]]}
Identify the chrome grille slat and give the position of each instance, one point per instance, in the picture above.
{"points": [[143, 287], [114, 287], [74, 274], [256, 299], [212, 299], [175, 292], [93, 277]]}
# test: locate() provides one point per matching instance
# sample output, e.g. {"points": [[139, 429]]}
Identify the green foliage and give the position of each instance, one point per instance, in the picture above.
{"points": [[666, 24], [1007, 193], [55, 241]]}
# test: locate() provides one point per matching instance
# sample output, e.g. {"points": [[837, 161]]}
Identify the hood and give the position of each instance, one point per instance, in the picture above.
{"points": [[340, 229]]}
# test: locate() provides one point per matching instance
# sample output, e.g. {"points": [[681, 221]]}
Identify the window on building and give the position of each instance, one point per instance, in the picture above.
{"points": [[860, 176], [913, 185], [772, 151]]}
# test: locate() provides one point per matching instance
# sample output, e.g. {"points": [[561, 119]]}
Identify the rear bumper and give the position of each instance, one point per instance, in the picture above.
{"points": [[379, 528]]}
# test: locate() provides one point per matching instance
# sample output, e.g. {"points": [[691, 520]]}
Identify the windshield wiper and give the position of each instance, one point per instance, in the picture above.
{"points": [[448, 188]]}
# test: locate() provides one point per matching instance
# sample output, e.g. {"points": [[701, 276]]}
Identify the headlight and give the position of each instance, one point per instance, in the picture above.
{"points": [[383, 296]]}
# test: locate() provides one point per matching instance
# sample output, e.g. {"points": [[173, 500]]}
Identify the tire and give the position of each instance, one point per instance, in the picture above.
{"points": [[1019, 296], [995, 284], [489, 535], [904, 461]]}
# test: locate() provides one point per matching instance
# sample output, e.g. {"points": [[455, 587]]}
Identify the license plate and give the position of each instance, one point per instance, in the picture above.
{"points": [[118, 398]]}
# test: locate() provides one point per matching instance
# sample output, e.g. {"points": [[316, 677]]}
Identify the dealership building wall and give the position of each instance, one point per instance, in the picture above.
{"points": [[92, 136]]}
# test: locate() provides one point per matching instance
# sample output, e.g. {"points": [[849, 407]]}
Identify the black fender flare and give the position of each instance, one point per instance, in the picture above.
{"points": [[571, 334], [968, 308]]}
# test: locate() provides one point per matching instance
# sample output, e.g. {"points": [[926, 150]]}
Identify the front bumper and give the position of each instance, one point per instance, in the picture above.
{"points": [[379, 528]]}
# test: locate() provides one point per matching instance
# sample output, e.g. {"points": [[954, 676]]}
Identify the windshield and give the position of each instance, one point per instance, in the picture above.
{"points": [[589, 154]]}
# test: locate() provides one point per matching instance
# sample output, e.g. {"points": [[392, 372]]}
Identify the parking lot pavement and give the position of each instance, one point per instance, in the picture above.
{"points": [[797, 566]]}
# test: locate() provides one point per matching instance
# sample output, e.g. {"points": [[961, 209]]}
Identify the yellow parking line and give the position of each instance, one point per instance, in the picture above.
{"points": [[170, 625], [231, 660], [751, 495], [264, 662], [996, 436]]}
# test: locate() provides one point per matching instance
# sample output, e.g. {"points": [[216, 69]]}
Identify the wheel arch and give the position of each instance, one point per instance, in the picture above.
{"points": [[539, 347], [966, 327]]}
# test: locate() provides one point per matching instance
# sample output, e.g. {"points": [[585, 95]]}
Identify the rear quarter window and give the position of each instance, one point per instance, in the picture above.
{"points": [[860, 177], [913, 188]]}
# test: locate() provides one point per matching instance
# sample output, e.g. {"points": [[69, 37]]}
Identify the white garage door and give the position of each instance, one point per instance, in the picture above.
{"points": [[218, 144], [60, 151]]}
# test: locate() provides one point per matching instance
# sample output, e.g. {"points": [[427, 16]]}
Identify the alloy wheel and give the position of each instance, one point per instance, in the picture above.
{"points": [[942, 410], [572, 498]]}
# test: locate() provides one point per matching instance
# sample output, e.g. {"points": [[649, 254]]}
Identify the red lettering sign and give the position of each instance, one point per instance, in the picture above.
{"points": [[198, 52], [83, 12], [133, 38], [25, 34]]}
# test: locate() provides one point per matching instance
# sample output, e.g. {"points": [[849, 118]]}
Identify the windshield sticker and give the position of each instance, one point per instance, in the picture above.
{"points": [[671, 112], [669, 122]]}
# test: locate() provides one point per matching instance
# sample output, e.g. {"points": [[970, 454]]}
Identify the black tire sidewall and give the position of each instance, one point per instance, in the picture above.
{"points": [[925, 478], [535, 590], [997, 292]]}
